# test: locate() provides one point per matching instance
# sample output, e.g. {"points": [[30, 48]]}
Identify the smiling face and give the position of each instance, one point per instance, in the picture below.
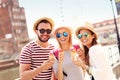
{"points": [[43, 31], [86, 37], [63, 36]]}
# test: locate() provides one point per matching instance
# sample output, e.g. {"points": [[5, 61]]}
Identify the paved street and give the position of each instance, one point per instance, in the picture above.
{"points": [[9, 74]]}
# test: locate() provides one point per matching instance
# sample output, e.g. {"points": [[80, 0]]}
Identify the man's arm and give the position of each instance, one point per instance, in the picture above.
{"points": [[27, 74]]}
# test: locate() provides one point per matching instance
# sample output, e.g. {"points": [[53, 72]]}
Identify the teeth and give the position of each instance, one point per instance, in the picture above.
{"points": [[84, 41], [44, 37], [62, 39]]}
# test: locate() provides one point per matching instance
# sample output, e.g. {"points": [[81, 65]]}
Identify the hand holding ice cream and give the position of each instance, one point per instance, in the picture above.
{"points": [[74, 51], [51, 55]]}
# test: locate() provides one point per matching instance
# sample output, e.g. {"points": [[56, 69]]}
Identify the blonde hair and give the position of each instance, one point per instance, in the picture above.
{"points": [[70, 35]]}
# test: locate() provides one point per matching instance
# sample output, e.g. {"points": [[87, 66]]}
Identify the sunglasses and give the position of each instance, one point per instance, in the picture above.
{"points": [[42, 31], [84, 34], [58, 35]]}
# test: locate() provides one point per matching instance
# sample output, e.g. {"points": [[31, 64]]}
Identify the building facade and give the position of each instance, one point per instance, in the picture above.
{"points": [[13, 28], [106, 31]]}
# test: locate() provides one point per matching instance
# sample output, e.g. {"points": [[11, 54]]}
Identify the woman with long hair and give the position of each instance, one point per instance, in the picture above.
{"points": [[96, 59], [64, 68]]}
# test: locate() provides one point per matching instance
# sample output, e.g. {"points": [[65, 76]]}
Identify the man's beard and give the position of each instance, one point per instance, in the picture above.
{"points": [[43, 40]]}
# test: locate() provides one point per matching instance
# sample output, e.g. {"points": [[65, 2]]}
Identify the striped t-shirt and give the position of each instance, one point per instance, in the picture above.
{"points": [[35, 55]]}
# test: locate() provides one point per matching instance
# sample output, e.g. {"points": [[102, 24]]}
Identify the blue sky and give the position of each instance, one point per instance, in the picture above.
{"points": [[71, 13]]}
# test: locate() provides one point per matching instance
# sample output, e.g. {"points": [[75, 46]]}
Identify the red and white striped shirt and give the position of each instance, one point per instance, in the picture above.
{"points": [[35, 55]]}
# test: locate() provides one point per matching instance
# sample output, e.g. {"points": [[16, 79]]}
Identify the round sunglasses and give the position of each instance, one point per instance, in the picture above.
{"points": [[42, 31], [58, 35], [84, 34]]}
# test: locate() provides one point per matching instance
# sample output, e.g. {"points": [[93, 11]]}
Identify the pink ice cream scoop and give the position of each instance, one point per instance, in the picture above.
{"points": [[56, 52], [76, 46], [51, 55]]}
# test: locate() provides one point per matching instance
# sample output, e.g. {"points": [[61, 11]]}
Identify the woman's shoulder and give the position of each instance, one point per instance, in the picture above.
{"points": [[97, 49]]}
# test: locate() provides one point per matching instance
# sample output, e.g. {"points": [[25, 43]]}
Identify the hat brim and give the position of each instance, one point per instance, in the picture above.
{"points": [[67, 28], [44, 18], [87, 28]]}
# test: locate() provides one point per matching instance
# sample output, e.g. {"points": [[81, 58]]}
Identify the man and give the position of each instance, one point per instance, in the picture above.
{"points": [[34, 58]]}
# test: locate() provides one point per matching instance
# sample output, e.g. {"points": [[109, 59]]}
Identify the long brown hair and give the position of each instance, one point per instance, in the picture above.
{"points": [[86, 50]]}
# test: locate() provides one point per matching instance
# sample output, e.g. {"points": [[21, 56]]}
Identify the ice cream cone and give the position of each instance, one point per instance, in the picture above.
{"points": [[51, 55]]}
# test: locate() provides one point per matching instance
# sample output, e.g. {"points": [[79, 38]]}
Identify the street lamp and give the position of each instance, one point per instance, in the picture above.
{"points": [[116, 28]]}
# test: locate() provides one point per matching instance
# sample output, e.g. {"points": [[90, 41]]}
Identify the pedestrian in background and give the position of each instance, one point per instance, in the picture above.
{"points": [[34, 57]]}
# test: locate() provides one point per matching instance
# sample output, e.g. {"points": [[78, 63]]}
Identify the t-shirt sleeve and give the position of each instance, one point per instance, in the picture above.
{"points": [[25, 55]]}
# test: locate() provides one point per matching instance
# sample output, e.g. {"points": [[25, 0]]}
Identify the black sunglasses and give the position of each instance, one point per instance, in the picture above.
{"points": [[84, 34], [42, 31], [58, 35]]}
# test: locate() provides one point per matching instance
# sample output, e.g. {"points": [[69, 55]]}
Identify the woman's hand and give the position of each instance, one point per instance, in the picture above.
{"points": [[60, 70], [81, 54], [49, 63], [78, 57], [61, 56]]}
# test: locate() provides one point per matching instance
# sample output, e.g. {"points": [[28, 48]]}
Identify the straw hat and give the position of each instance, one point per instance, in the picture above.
{"points": [[44, 18], [66, 28], [63, 27], [87, 26]]}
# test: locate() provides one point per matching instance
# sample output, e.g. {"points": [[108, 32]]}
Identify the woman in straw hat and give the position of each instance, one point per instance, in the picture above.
{"points": [[64, 68], [96, 61]]}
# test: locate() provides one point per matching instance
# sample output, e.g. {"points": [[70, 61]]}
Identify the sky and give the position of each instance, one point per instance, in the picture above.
{"points": [[71, 13]]}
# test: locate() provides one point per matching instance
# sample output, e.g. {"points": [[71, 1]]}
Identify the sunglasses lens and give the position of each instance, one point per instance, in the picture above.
{"points": [[65, 34], [58, 35], [42, 31], [48, 31], [79, 36], [86, 34]]}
